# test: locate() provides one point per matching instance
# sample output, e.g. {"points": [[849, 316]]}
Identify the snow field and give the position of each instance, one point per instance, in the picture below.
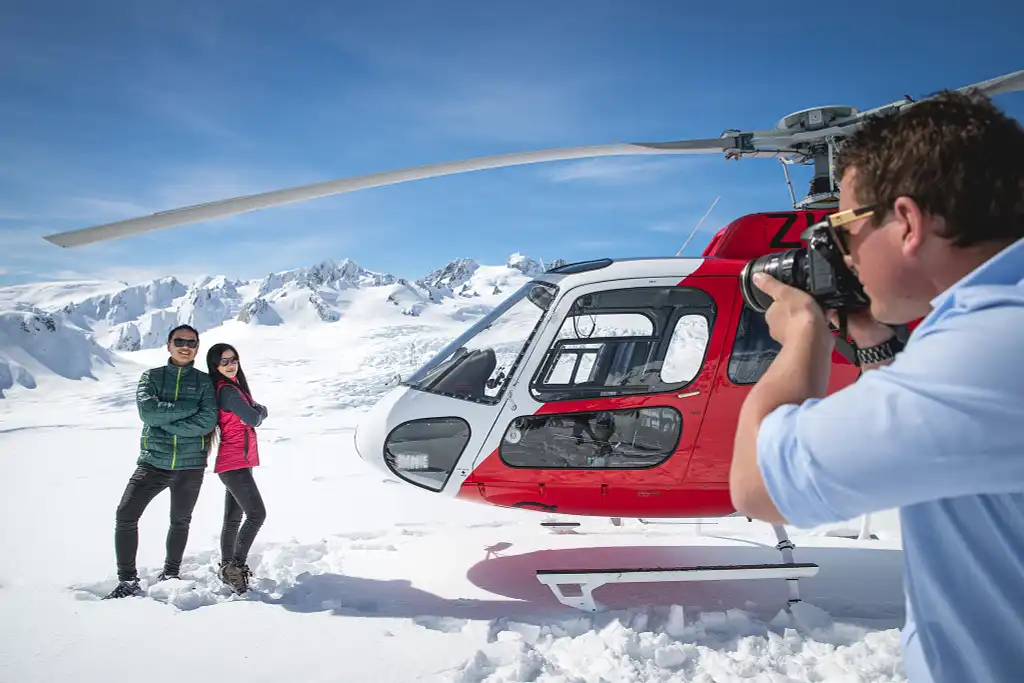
{"points": [[360, 578]]}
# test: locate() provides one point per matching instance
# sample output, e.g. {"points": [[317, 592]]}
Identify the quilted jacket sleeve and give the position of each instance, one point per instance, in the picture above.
{"points": [[157, 413], [203, 420]]}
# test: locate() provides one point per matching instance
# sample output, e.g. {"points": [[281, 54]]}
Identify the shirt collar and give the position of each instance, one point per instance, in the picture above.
{"points": [[1005, 268]]}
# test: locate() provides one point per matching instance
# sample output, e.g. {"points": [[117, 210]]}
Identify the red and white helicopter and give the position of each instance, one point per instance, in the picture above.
{"points": [[609, 387]]}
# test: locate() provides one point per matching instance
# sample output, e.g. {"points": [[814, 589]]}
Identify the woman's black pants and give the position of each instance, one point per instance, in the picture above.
{"points": [[241, 496]]}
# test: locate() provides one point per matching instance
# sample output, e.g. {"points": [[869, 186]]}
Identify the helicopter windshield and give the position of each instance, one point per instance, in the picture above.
{"points": [[478, 363]]}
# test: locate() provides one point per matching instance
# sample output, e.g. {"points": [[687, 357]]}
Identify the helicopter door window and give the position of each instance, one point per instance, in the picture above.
{"points": [[753, 350], [573, 365], [685, 354], [646, 340]]}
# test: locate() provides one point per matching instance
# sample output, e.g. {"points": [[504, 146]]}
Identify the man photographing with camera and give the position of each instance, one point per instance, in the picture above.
{"points": [[931, 221]]}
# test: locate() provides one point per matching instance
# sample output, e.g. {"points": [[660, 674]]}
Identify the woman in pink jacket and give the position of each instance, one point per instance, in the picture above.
{"points": [[237, 453]]}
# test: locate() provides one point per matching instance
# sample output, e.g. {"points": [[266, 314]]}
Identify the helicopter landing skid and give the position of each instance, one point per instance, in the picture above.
{"points": [[587, 581]]}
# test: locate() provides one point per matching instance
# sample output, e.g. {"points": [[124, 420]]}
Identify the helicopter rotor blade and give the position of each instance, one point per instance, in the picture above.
{"points": [[733, 143], [236, 205], [1010, 82]]}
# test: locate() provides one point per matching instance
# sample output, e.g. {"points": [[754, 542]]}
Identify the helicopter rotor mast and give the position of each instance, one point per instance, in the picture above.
{"points": [[810, 136]]}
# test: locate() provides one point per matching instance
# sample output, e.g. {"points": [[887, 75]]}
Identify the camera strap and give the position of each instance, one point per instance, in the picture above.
{"points": [[844, 346]]}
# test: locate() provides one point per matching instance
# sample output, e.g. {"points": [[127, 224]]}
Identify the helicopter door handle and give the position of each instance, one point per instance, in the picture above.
{"points": [[688, 394]]}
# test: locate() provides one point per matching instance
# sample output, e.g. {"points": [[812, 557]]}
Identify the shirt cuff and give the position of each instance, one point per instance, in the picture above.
{"points": [[786, 469]]}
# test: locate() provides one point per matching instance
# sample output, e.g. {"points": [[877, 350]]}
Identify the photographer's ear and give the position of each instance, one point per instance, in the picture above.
{"points": [[912, 225]]}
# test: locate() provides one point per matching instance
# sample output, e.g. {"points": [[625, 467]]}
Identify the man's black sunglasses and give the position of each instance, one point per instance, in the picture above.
{"points": [[190, 343]]}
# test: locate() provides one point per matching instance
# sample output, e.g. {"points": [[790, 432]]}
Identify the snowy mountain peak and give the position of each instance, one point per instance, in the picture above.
{"points": [[127, 304], [524, 264], [326, 273], [35, 342], [450, 280], [126, 318]]}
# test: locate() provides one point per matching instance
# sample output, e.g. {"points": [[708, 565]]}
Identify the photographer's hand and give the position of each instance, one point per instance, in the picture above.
{"points": [[799, 372], [793, 313]]}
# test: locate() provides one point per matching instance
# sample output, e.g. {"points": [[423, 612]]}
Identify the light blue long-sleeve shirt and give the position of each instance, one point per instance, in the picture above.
{"points": [[938, 433]]}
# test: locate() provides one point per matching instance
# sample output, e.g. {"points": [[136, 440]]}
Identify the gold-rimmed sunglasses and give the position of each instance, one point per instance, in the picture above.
{"points": [[834, 222]]}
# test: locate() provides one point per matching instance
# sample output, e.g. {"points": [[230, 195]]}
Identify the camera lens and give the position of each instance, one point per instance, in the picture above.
{"points": [[781, 266]]}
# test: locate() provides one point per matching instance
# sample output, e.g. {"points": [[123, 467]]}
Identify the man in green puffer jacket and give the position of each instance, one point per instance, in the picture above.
{"points": [[178, 408]]}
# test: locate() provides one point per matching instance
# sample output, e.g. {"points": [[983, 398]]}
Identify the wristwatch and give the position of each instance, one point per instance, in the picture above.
{"points": [[880, 352]]}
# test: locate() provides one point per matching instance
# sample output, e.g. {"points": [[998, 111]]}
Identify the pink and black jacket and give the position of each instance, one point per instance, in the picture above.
{"points": [[238, 416]]}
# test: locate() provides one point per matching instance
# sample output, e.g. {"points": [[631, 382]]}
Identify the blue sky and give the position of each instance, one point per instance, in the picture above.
{"points": [[115, 110]]}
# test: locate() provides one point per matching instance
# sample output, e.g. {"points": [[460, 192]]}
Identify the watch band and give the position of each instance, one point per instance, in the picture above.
{"points": [[880, 352]]}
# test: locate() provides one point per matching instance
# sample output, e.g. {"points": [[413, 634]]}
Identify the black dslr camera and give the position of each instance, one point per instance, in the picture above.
{"points": [[818, 270]]}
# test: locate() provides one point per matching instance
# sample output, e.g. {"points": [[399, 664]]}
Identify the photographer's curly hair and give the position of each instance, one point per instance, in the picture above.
{"points": [[956, 155]]}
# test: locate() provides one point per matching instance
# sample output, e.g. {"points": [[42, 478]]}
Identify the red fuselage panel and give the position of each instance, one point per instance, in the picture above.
{"points": [[693, 481]]}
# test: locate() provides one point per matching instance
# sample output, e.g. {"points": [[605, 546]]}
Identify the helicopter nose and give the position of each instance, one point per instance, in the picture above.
{"points": [[372, 431], [414, 438]]}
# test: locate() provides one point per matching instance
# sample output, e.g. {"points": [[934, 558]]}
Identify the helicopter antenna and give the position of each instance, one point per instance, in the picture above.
{"points": [[701, 221]]}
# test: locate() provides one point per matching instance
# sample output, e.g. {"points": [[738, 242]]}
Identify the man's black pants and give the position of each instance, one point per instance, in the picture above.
{"points": [[143, 486], [242, 495]]}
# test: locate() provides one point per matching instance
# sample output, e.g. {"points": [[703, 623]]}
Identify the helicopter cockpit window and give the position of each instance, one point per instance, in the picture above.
{"points": [[629, 341], [477, 365]]}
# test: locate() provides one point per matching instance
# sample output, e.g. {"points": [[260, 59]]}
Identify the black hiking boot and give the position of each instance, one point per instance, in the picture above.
{"points": [[125, 589], [164, 575], [237, 576]]}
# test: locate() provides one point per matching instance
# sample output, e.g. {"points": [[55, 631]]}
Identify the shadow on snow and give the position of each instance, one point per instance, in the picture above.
{"points": [[857, 585]]}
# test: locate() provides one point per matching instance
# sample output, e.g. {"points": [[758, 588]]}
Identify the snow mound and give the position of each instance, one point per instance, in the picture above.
{"points": [[279, 574], [34, 343], [652, 643], [658, 645]]}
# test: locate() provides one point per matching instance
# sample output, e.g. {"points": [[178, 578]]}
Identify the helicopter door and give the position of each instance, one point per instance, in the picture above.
{"points": [[616, 381]]}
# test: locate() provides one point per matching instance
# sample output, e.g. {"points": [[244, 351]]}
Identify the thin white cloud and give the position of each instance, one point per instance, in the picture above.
{"points": [[618, 171], [494, 85], [666, 227], [598, 244], [97, 208], [165, 189], [190, 107], [509, 110]]}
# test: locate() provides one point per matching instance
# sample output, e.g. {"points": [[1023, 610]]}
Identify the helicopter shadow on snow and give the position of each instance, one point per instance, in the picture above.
{"points": [[355, 596], [857, 585]]}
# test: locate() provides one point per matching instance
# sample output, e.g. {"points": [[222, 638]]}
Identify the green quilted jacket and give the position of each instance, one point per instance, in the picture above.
{"points": [[179, 411]]}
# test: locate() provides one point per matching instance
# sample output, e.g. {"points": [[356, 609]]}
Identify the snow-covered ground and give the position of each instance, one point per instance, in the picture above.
{"points": [[361, 579]]}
